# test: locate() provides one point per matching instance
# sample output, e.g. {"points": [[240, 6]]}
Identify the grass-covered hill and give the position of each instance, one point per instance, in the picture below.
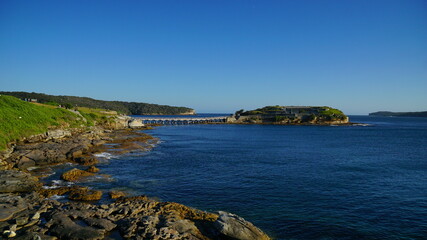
{"points": [[293, 114], [325, 111], [130, 108], [20, 119]]}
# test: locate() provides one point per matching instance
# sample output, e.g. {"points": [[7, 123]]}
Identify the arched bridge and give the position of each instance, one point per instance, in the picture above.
{"points": [[182, 120]]}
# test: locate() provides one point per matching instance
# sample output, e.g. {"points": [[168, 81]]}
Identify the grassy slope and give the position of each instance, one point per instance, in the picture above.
{"points": [[121, 107], [20, 119], [95, 116], [333, 114]]}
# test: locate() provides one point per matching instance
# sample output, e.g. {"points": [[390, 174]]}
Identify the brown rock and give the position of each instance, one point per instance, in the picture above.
{"points": [[116, 194], [75, 153], [87, 160], [75, 174], [185, 212], [92, 169], [84, 194], [55, 191]]}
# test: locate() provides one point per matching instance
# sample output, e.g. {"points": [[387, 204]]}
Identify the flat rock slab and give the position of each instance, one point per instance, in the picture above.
{"points": [[10, 205], [64, 228], [12, 181]]}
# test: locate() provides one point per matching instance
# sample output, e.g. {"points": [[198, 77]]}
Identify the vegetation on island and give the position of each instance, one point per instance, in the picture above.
{"points": [[399, 114], [291, 115], [332, 114], [129, 108], [19, 119]]}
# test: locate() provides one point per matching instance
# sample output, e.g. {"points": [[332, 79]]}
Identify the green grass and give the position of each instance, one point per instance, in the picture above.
{"points": [[20, 119], [95, 116], [264, 110], [332, 114]]}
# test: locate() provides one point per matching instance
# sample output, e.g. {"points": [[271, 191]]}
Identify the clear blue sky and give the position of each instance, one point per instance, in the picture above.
{"points": [[220, 56]]}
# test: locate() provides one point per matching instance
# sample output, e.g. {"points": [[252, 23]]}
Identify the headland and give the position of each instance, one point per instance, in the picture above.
{"points": [[36, 137], [399, 114]]}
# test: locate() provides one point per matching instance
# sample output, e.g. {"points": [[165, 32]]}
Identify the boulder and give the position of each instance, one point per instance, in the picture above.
{"points": [[235, 227], [92, 169], [36, 155], [121, 122], [134, 123], [57, 134], [87, 160], [75, 152], [75, 174], [84, 194], [116, 194]]}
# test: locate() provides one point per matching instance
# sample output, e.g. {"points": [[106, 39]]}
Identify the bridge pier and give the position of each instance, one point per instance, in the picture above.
{"points": [[182, 120]]}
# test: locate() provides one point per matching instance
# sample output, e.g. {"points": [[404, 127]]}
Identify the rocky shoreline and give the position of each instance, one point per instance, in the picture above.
{"points": [[28, 209]]}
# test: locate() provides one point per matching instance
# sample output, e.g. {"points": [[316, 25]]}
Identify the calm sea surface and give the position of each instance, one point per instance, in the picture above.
{"points": [[294, 182]]}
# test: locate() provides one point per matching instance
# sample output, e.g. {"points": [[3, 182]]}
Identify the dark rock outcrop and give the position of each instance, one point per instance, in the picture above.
{"points": [[84, 194], [116, 194], [27, 211], [12, 181], [64, 228], [92, 169]]}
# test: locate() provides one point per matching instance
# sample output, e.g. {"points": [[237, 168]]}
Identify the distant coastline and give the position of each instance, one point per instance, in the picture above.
{"points": [[122, 107], [399, 114]]}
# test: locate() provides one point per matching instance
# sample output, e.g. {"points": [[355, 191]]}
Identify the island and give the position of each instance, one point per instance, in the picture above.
{"points": [[291, 115], [399, 114]]}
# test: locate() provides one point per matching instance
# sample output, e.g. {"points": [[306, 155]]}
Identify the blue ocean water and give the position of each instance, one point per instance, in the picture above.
{"points": [[294, 182]]}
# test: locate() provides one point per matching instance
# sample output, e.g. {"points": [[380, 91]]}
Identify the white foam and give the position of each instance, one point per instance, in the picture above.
{"points": [[56, 197], [60, 183], [57, 182], [102, 178], [362, 124], [49, 174], [104, 155]]}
